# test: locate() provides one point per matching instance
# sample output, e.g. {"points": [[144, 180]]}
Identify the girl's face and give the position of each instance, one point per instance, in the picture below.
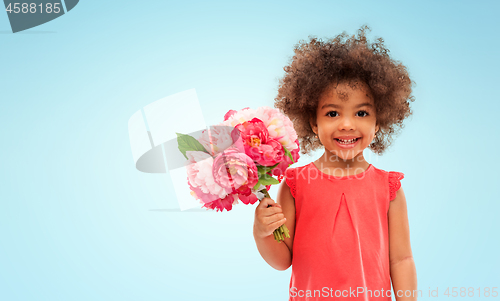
{"points": [[345, 120]]}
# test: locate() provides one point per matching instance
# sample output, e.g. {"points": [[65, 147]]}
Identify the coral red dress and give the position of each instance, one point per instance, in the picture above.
{"points": [[341, 242]]}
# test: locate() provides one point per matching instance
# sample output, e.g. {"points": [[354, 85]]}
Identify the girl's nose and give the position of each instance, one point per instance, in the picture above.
{"points": [[346, 124]]}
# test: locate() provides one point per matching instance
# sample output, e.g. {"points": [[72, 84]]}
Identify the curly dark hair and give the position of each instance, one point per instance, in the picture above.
{"points": [[317, 64]]}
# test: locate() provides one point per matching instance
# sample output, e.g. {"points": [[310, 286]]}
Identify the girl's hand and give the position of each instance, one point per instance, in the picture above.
{"points": [[268, 217]]}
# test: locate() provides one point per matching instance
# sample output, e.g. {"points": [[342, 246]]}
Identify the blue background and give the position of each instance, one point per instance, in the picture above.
{"points": [[79, 222]]}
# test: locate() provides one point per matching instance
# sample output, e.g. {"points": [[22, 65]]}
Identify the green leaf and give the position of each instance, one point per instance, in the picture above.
{"points": [[188, 143], [289, 154], [256, 185], [265, 169], [266, 179]]}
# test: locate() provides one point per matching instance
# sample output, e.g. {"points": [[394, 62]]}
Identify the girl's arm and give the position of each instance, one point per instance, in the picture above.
{"points": [[278, 255], [402, 266]]}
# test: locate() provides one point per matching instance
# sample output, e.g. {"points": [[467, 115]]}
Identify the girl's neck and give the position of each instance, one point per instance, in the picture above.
{"points": [[334, 164]]}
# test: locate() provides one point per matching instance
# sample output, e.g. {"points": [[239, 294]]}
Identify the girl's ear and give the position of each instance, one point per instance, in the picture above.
{"points": [[377, 128], [314, 126]]}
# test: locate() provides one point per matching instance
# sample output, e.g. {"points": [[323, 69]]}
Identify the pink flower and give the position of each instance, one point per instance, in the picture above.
{"points": [[230, 113], [245, 139], [205, 198], [281, 168], [221, 204], [200, 177], [248, 199], [202, 184], [216, 139], [234, 171], [279, 126], [258, 145]]}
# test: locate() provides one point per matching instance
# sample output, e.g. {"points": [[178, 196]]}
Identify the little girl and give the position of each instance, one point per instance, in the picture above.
{"points": [[348, 224]]}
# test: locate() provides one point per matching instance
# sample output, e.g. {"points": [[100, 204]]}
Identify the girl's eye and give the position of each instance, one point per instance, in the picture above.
{"points": [[364, 112], [335, 112], [328, 114]]}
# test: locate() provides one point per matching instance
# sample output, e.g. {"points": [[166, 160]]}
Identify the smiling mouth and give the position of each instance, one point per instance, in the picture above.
{"points": [[347, 141]]}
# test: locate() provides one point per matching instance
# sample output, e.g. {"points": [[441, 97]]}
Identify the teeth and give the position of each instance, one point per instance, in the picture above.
{"points": [[347, 141]]}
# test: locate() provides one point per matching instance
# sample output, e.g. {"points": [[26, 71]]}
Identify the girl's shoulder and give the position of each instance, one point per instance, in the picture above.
{"points": [[290, 179], [292, 174], [393, 179]]}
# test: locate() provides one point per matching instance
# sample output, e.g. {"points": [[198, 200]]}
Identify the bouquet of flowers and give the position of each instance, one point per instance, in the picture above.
{"points": [[238, 158]]}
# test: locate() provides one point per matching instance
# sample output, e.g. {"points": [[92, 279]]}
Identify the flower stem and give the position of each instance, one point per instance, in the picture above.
{"points": [[282, 231]]}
